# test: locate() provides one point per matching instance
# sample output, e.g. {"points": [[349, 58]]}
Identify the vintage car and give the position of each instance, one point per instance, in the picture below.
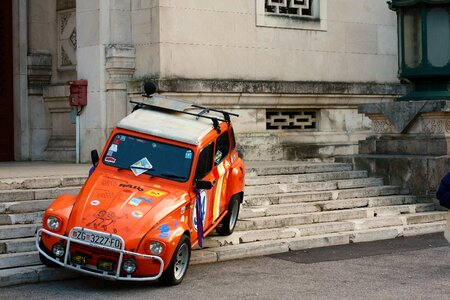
{"points": [[169, 175]]}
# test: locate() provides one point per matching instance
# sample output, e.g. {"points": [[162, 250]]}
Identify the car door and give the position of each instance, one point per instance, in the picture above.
{"points": [[220, 173], [204, 172]]}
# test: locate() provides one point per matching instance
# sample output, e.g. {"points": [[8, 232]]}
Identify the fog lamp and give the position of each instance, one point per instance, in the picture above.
{"points": [[129, 266], [105, 265], [58, 250], [79, 259], [156, 248]]}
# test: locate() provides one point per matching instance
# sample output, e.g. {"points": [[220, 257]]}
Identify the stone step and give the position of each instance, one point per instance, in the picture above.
{"points": [[313, 186], [41, 182], [34, 274], [18, 231], [306, 207], [18, 245], [36, 194], [302, 219], [426, 217], [24, 206], [282, 168], [290, 243], [23, 259], [297, 178], [268, 199], [22, 218]]}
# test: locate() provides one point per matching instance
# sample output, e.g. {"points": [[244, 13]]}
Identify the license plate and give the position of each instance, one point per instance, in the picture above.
{"points": [[95, 238]]}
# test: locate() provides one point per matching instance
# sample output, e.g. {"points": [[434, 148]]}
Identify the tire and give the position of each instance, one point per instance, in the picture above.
{"points": [[179, 263], [228, 223]]}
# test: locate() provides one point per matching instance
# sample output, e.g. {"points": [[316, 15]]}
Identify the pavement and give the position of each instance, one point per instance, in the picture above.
{"points": [[27, 169], [405, 268]]}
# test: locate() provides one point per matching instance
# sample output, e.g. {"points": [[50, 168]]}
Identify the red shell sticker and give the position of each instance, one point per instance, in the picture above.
{"points": [[110, 159]]}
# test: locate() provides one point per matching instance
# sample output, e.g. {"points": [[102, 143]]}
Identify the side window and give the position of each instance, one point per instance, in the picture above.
{"points": [[223, 147], [233, 140], [205, 159]]}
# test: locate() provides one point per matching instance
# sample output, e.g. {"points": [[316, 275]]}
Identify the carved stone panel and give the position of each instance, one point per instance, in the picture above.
{"points": [[67, 40]]}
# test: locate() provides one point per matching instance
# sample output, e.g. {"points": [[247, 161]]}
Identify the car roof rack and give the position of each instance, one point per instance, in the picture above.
{"points": [[164, 103]]}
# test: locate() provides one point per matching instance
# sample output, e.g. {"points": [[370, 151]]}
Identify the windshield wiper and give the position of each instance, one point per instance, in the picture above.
{"points": [[173, 176], [140, 168], [130, 167]]}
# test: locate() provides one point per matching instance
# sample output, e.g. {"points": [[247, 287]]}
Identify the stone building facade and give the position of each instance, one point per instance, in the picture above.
{"points": [[295, 70]]}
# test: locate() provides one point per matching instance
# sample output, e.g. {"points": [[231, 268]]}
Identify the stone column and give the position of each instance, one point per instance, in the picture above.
{"points": [[120, 64], [411, 144], [39, 76], [61, 145], [103, 28]]}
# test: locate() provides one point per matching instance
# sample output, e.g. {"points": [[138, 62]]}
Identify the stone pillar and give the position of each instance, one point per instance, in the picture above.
{"points": [[120, 64], [411, 145], [61, 145], [103, 28], [39, 76]]}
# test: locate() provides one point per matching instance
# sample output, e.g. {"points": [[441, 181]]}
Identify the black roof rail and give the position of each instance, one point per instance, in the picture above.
{"points": [[165, 103]]}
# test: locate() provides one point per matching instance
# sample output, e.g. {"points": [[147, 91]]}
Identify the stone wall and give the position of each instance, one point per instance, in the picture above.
{"points": [[337, 125]]}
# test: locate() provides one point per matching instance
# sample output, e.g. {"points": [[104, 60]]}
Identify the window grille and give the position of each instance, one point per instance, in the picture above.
{"points": [[290, 119], [302, 8]]}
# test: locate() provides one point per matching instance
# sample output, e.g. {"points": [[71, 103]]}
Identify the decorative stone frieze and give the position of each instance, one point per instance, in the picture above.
{"points": [[120, 64], [39, 71], [67, 40]]}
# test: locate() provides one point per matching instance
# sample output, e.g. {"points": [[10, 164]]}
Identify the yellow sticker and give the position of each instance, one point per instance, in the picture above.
{"points": [[155, 193]]}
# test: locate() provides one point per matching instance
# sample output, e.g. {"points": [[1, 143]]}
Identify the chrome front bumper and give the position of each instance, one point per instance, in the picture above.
{"points": [[93, 270]]}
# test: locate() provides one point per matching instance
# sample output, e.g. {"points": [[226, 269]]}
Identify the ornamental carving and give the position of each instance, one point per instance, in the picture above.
{"points": [[67, 40], [382, 126], [433, 126]]}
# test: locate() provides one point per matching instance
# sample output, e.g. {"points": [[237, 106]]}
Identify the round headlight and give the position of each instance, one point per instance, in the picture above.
{"points": [[129, 266], [156, 248], [58, 250], [53, 223]]}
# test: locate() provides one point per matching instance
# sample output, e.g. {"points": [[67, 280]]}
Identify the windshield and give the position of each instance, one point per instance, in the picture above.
{"points": [[142, 156]]}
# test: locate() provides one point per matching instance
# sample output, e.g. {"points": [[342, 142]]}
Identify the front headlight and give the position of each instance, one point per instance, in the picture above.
{"points": [[53, 223], [156, 248]]}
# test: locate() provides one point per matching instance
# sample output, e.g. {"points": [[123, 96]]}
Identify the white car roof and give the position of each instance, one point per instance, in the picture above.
{"points": [[167, 124]]}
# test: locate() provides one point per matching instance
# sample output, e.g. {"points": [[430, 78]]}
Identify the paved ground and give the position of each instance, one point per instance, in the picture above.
{"points": [[40, 168], [412, 268]]}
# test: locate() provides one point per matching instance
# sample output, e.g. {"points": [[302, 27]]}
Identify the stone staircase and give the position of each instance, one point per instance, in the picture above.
{"points": [[288, 206], [295, 206]]}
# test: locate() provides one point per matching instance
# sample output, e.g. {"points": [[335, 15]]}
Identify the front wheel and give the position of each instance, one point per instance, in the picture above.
{"points": [[179, 263], [228, 223]]}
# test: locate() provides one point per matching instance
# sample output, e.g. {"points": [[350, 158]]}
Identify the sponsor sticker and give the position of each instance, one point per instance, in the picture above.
{"points": [[155, 193], [134, 201], [188, 154], [141, 166], [110, 153], [137, 214], [110, 159], [113, 148], [148, 200], [218, 156], [227, 164], [116, 141], [95, 202]]}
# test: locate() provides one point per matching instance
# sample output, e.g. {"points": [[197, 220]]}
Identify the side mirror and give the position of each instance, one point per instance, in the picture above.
{"points": [[203, 185], [94, 157]]}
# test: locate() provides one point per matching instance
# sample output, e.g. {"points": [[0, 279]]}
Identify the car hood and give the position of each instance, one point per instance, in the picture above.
{"points": [[125, 208]]}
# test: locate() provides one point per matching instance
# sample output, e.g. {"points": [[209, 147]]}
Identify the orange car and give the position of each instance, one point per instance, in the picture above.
{"points": [[168, 176]]}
